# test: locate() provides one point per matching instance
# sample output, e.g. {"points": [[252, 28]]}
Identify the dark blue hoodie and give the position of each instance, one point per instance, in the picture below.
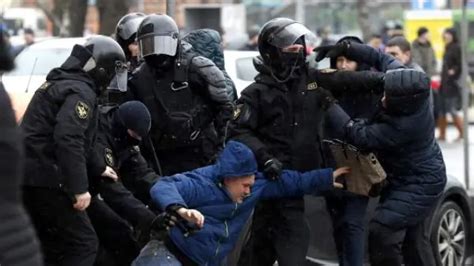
{"points": [[202, 189]]}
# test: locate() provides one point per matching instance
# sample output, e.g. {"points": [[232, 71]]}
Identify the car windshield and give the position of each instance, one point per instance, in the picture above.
{"points": [[39, 61], [245, 69]]}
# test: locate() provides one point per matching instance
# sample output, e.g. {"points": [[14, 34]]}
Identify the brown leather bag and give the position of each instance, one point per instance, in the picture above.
{"points": [[367, 176]]}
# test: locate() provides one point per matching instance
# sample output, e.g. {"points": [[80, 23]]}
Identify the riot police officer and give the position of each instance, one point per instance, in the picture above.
{"points": [[186, 96], [58, 125], [125, 35], [114, 211], [279, 117]]}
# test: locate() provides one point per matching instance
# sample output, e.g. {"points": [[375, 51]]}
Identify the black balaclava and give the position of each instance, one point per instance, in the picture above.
{"points": [[131, 115], [291, 65], [161, 63]]}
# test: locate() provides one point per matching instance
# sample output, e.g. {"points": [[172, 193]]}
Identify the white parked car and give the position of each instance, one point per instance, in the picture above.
{"points": [[32, 66], [239, 66]]}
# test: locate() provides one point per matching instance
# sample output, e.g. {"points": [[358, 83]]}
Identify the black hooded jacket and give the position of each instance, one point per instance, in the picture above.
{"points": [[58, 126], [280, 120]]}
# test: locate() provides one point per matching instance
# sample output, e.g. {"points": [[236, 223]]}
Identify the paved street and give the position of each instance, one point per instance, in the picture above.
{"points": [[453, 154]]}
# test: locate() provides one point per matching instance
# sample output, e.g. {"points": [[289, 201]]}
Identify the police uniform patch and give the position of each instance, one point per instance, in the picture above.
{"points": [[312, 86], [328, 70], [82, 110], [237, 111], [44, 86], [109, 157]]}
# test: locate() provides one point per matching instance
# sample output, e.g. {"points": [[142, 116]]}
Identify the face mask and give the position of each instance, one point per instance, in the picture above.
{"points": [[159, 62], [290, 66]]}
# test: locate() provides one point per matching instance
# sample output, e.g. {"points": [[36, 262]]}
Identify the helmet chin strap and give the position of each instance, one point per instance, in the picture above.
{"points": [[288, 77]]}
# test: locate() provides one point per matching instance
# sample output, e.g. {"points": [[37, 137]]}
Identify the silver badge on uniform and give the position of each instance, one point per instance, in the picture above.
{"points": [[109, 157]]}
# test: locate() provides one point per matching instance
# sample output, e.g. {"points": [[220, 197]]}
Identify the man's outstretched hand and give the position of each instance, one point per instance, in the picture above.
{"points": [[192, 216], [338, 173]]}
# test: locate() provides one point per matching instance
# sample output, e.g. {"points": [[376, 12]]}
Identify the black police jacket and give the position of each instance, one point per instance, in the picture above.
{"points": [[114, 150], [183, 115], [58, 125], [280, 120]]}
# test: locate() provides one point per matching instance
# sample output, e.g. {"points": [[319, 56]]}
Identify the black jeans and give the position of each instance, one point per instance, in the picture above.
{"points": [[347, 211], [66, 235], [395, 247], [279, 232]]}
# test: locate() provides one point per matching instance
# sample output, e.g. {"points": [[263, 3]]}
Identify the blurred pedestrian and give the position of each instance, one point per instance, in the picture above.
{"points": [[376, 42], [423, 52], [400, 48], [29, 38], [324, 34], [450, 91], [252, 43]]}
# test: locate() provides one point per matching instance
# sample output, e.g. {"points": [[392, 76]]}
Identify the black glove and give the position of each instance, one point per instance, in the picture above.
{"points": [[164, 221], [326, 99], [272, 169], [332, 50], [156, 229]]}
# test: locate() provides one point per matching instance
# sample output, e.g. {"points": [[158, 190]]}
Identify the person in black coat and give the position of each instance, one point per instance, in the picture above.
{"points": [[116, 213], [186, 95], [279, 117], [402, 135], [347, 210], [58, 126], [450, 92], [18, 243]]}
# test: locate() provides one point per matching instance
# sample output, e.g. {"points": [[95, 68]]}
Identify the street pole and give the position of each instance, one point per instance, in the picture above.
{"points": [[170, 7], [465, 89], [299, 11]]}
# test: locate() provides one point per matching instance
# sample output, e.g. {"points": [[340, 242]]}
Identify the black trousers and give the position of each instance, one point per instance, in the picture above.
{"points": [[118, 246], [279, 232], [395, 247], [66, 235]]}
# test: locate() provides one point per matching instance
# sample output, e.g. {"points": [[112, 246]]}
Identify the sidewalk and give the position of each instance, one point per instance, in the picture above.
{"points": [[453, 153]]}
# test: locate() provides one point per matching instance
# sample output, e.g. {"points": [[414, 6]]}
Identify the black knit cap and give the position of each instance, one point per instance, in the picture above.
{"points": [[135, 116]]}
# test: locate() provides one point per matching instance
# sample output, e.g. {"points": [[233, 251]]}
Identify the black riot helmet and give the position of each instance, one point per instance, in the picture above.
{"points": [[126, 30], [276, 35], [107, 64], [158, 34]]}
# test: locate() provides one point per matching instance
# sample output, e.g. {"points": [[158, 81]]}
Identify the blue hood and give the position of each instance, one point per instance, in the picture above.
{"points": [[235, 160]]}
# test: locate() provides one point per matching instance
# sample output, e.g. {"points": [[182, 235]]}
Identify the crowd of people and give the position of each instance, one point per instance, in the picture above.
{"points": [[137, 150]]}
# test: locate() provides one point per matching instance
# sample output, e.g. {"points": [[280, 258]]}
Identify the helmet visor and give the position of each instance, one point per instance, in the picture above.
{"points": [[161, 44], [119, 80], [289, 35], [129, 28]]}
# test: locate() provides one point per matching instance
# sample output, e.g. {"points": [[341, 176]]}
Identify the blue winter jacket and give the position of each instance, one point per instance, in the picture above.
{"points": [[202, 189], [402, 135]]}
